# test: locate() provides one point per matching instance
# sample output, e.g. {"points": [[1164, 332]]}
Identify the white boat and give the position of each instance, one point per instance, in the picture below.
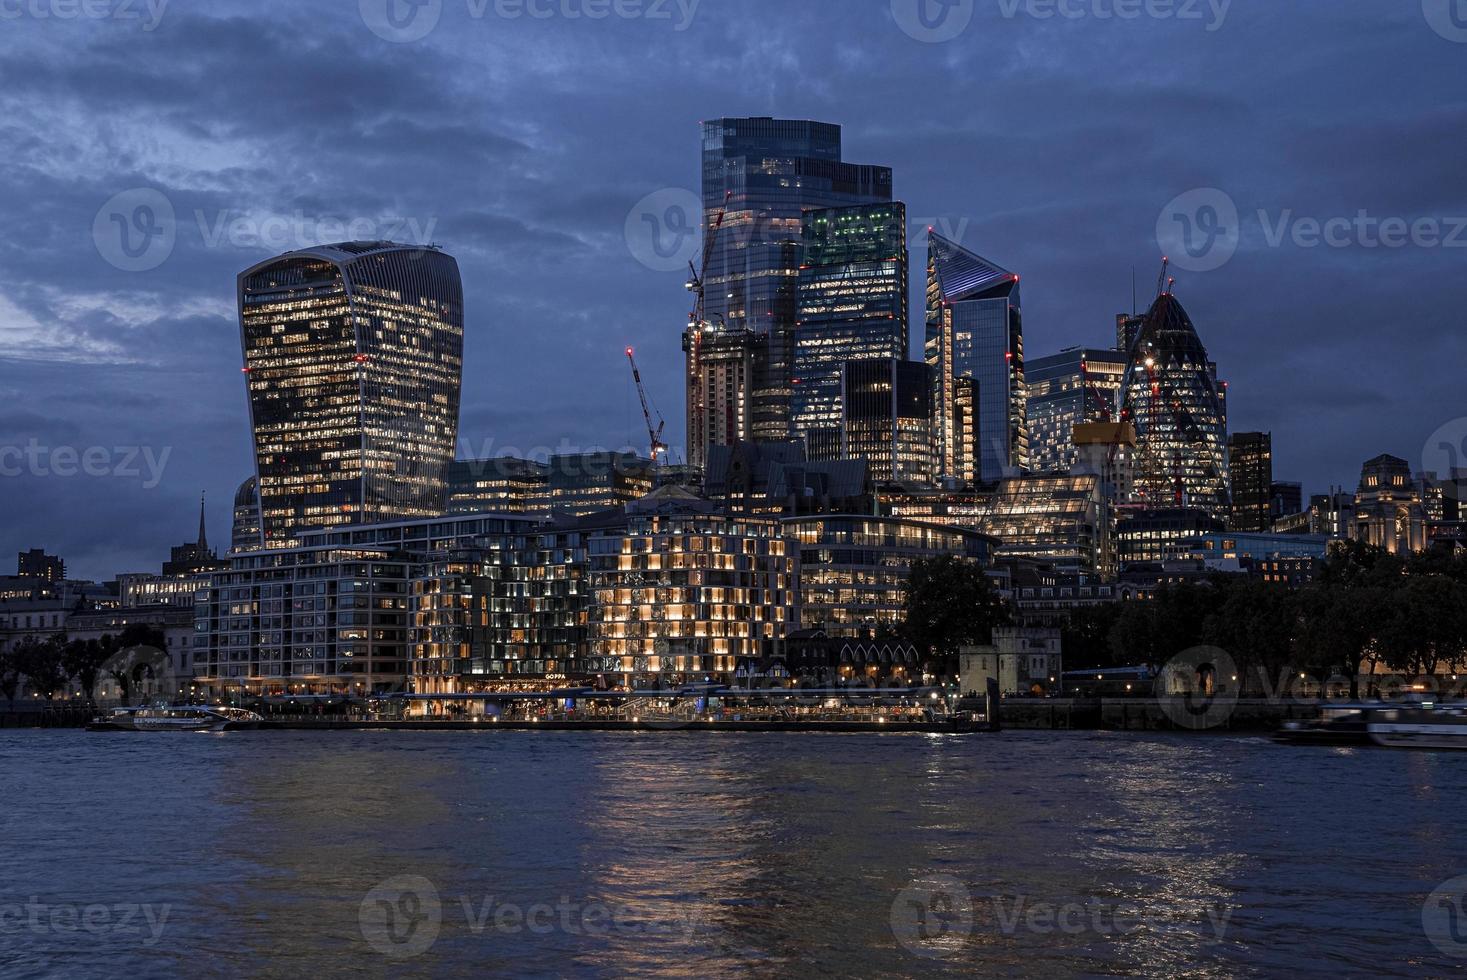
{"points": [[177, 718], [1419, 726]]}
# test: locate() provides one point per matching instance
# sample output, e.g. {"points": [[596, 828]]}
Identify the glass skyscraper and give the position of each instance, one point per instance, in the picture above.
{"points": [[761, 175], [852, 306], [1250, 468], [353, 356], [886, 417], [1171, 394], [1077, 385], [975, 347]]}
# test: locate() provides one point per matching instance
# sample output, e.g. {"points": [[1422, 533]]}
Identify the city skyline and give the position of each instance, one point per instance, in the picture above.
{"points": [[95, 355]]}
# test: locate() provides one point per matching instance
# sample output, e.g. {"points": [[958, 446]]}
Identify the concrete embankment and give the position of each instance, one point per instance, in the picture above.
{"points": [[1153, 714]]}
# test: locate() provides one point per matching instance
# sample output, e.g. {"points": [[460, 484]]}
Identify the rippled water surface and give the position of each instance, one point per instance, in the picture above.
{"points": [[605, 854]]}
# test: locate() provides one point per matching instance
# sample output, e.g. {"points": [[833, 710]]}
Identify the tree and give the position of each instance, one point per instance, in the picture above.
{"points": [[1085, 635], [949, 602], [40, 662], [83, 660], [1255, 622], [9, 673]]}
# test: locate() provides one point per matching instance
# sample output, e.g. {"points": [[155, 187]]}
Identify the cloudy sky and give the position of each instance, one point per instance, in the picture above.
{"points": [[152, 152]]}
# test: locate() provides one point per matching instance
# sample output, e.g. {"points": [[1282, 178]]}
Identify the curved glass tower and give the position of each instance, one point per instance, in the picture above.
{"points": [[1171, 394], [353, 355]]}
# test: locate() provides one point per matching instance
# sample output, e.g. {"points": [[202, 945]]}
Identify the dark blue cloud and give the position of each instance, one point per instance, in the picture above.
{"points": [[520, 144]]}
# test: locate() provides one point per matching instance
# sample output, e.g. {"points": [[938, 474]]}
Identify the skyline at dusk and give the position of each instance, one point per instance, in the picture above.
{"points": [[1052, 145]]}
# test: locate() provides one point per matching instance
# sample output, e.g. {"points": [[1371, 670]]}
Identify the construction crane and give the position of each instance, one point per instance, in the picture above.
{"points": [[654, 432]]}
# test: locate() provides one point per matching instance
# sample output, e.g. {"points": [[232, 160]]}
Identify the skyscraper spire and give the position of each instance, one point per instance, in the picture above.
{"points": [[203, 537]]}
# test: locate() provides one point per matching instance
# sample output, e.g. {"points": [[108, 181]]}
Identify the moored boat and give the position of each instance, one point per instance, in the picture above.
{"points": [[176, 718], [1415, 724]]}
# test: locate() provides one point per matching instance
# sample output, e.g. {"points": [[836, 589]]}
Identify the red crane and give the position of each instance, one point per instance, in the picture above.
{"points": [[654, 432]]}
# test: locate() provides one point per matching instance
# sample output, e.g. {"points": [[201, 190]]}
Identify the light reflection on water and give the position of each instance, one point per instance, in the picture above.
{"points": [[724, 855]]}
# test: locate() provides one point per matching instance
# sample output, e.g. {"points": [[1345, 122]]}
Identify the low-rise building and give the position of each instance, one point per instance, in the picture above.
{"points": [[1025, 661]]}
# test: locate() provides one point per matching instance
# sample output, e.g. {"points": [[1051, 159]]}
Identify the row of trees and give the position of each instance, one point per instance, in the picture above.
{"points": [[49, 665], [1365, 610]]}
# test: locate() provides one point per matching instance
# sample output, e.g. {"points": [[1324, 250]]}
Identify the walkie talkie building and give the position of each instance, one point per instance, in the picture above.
{"points": [[353, 358]]}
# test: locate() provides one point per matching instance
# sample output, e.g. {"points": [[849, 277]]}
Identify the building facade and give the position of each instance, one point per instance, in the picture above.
{"points": [[975, 348], [720, 379], [583, 483], [1060, 519], [1075, 386], [1171, 395], [683, 593], [36, 564], [1250, 468], [852, 306], [1389, 512], [759, 177], [853, 568], [353, 357], [244, 534], [886, 419], [499, 485]]}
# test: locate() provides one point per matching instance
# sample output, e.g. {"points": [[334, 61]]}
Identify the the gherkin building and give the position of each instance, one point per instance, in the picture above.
{"points": [[1171, 394]]}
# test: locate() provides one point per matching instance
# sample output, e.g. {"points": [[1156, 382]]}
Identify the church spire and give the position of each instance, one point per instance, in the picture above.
{"points": [[203, 537]]}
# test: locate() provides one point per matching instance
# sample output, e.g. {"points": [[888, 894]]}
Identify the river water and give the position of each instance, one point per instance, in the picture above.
{"points": [[403, 854]]}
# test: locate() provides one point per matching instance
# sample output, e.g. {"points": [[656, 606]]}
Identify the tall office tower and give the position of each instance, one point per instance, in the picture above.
{"points": [[759, 176], [35, 563], [720, 387], [1075, 386], [886, 419], [1171, 395], [852, 306], [353, 355], [1250, 468], [975, 333], [1128, 325]]}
